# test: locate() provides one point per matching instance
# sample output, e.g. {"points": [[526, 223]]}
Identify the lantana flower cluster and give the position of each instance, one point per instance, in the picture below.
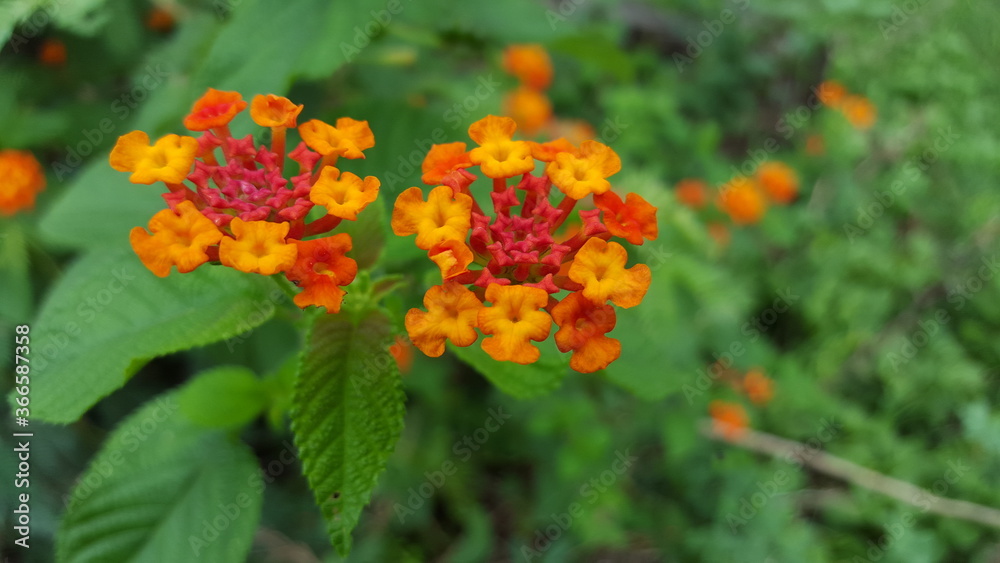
{"points": [[744, 199], [229, 201], [508, 274]]}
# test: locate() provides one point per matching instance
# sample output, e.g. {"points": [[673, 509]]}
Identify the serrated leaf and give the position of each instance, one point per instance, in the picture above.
{"points": [[162, 490], [225, 397], [521, 381], [108, 316], [347, 414]]}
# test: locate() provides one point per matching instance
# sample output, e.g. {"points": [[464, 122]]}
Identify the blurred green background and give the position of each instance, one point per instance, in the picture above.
{"points": [[893, 226]]}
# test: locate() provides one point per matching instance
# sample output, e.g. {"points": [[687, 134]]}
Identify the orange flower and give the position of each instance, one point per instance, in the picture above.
{"points": [[344, 197], [441, 160], [52, 53], [546, 152], [444, 216], [258, 247], [578, 175], [348, 139], [452, 257], [740, 199], [529, 108], [402, 351], [859, 111], [530, 64], [600, 268], [779, 181], [452, 313], [729, 420], [21, 179], [758, 386], [692, 193], [169, 160], [320, 267], [180, 238], [582, 329], [498, 156], [632, 220], [514, 319], [215, 108], [160, 20], [274, 111], [831, 93]]}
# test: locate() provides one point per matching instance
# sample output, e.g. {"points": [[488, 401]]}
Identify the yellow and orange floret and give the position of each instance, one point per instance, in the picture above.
{"points": [[230, 203], [504, 274]]}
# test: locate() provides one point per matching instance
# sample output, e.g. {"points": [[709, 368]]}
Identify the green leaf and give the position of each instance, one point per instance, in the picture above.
{"points": [[225, 397], [109, 315], [163, 490], [347, 414], [521, 381]]}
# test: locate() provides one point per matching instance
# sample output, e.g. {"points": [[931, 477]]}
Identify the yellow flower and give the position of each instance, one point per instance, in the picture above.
{"points": [[514, 319], [444, 216], [169, 160], [498, 155], [452, 257], [344, 197], [452, 312], [600, 268], [578, 175], [348, 139], [259, 247], [274, 111], [180, 238]]}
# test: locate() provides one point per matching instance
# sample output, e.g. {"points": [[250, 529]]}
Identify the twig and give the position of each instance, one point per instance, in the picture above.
{"points": [[861, 476]]}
